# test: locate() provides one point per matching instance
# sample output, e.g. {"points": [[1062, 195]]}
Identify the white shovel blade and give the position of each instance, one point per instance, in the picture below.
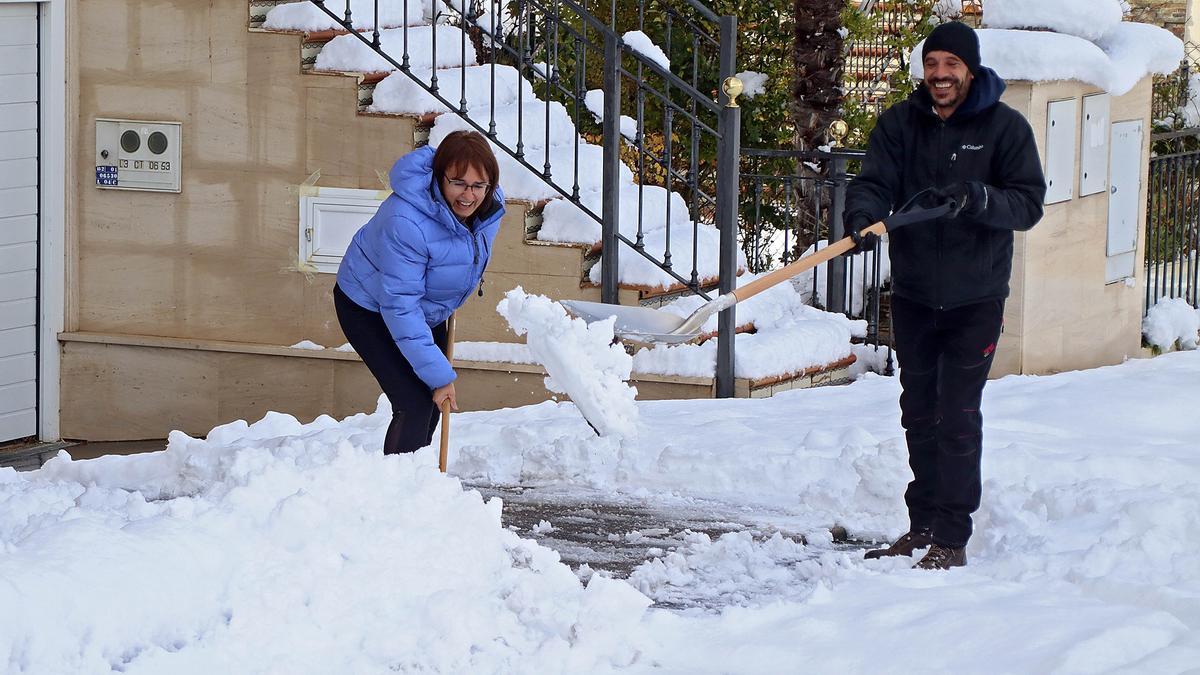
{"points": [[640, 324]]}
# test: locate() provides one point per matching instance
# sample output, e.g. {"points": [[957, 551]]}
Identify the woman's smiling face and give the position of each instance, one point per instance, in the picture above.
{"points": [[464, 188]]}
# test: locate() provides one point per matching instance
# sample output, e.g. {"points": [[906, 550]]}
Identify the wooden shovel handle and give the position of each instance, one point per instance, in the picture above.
{"points": [[807, 262], [445, 441]]}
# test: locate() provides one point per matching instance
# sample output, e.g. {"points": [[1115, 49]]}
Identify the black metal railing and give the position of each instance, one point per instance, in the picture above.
{"points": [[1173, 220], [668, 118], [781, 222]]}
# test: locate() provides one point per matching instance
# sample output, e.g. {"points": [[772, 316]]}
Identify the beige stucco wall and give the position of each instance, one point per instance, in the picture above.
{"points": [[1062, 315], [216, 260]]}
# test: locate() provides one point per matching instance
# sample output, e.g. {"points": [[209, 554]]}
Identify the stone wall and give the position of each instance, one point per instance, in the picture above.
{"points": [[1170, 14]]}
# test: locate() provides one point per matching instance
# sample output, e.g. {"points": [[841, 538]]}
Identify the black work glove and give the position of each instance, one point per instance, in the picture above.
{"points": [[855, 225], [969, 197]]}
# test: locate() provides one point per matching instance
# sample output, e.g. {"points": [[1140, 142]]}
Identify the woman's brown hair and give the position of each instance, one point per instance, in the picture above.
{"points": [[461, 149]]}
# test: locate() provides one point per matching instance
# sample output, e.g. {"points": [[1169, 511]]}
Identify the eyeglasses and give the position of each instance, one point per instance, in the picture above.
{"points": [[464, 186]]}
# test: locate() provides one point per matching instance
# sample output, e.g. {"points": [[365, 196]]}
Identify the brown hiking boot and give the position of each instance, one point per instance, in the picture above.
{"points": [[905, 545], [942, 558]]}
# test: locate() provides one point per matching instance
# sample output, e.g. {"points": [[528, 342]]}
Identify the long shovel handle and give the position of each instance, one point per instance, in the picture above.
{"points": [[806, 263], [445, 441]]}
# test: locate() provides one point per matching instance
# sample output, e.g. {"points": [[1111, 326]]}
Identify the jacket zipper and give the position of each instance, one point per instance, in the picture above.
{"points": [[941, 225]]}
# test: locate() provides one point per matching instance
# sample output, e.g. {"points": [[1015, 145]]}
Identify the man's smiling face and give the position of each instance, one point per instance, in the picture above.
{"points": [[948, 80]]}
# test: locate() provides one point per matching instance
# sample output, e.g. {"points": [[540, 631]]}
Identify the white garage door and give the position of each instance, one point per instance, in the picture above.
{"points": [[18, 220]]}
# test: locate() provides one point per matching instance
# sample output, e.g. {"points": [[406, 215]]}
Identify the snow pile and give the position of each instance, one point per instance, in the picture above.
{"points": [[1088, 19], [1137, 49], [1086, 536], [308, 345], [1172, 322], [1113, 55], [790, 336], [581, 360], [306, 16], [281, 547], [348, 53]]}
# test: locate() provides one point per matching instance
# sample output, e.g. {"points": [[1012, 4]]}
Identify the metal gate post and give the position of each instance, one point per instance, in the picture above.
{"points": [[835, 281], [611, 176], [728, 168]]}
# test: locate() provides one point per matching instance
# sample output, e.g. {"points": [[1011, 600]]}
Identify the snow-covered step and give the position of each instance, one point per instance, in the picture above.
{"points": [[348, 53], [399, 94], [305, 16]]}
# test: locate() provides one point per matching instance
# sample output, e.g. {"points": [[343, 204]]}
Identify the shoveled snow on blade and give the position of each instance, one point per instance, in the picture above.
{"points": [[581, 359]]}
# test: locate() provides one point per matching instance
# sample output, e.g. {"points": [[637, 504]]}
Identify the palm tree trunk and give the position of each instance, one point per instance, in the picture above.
{"points": [[818, 57]]}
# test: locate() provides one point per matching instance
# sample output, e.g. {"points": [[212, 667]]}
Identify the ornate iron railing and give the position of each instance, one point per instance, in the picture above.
{"points": [[679, 113]]}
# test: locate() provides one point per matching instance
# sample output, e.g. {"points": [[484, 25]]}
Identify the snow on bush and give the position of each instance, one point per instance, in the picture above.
{"points": [[753, 83], [289, 548], [1171, 322], [581, 360]]}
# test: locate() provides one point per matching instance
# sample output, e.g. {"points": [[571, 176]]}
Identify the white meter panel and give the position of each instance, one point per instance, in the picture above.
{"points": [[1093, 155], [1061, 128], [138, 155]]}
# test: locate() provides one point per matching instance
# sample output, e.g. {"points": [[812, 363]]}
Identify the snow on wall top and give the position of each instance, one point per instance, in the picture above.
{"points": [[1115, 62], [1089, 19]]}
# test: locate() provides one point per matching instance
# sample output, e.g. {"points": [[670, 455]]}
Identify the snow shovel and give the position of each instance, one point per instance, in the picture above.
{"points": [[446, 404], [654, 326]]}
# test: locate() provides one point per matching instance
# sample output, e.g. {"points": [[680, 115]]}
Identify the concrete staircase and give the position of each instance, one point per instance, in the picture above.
{"points": [[558, 271]]}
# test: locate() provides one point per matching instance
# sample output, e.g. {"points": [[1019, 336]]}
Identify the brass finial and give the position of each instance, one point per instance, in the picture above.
{"points": [[838, 129], [732, 87]]}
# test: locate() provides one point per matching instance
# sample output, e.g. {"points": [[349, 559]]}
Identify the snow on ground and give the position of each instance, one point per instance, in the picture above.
{"points": [[282, 547]]}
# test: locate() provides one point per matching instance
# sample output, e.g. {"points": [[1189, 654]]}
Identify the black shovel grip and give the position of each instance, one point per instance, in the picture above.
{"points": [[909, 214], [902, 218]]}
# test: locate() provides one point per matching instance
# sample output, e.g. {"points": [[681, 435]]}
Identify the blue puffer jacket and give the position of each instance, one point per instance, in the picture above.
{"points": [[415, 263]]}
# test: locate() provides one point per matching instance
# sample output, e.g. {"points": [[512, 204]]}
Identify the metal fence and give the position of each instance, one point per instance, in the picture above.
{"points": [[577, 62], [787, 213], [1173, 219]]}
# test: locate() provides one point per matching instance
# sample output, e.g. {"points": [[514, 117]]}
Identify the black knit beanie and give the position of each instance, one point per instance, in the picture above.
{"points": [[957, 38]]}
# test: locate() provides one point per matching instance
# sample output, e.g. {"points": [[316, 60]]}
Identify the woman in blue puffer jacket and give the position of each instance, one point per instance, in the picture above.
{"points": [[410, 267]]}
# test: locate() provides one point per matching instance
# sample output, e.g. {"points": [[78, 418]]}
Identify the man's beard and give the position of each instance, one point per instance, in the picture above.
{"points": [[957, 87]]}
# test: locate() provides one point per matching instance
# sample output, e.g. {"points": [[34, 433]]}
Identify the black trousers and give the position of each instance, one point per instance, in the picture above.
{"points": [[945, 356], [414, 416]]}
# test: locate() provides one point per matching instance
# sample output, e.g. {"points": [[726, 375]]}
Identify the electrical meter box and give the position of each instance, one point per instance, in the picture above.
{"points": [[138, 155]]}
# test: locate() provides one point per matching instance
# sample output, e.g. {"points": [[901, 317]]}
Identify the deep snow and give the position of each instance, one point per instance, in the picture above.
{"points": [[282, 547]]}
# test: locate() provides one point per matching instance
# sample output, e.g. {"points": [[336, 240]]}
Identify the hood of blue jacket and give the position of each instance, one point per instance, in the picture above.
{"points": [[986, 88], [412, 180]]}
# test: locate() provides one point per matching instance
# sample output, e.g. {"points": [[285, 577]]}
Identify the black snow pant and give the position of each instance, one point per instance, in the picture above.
{"points": [[944, 359], [414, 415]]}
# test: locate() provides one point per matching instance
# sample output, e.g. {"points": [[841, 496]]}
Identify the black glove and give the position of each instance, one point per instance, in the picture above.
{"points": [[969, 197], [855, 225]]}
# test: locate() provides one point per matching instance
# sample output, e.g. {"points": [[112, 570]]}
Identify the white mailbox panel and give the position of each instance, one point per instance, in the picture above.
{"points": [[328, 221], [1060, 150], [1093, 156], [1123, 199], [136, 155]]}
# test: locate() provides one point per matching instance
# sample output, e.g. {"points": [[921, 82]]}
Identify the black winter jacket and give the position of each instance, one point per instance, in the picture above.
{"points": [[952, 262]]}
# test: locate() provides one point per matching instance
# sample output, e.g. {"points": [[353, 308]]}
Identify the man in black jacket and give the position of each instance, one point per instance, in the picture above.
{"points": [[951, 140]]}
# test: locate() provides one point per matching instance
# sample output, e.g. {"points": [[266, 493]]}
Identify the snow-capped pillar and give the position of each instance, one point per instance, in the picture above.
{"points": [[728, 167], [611, 195]]}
